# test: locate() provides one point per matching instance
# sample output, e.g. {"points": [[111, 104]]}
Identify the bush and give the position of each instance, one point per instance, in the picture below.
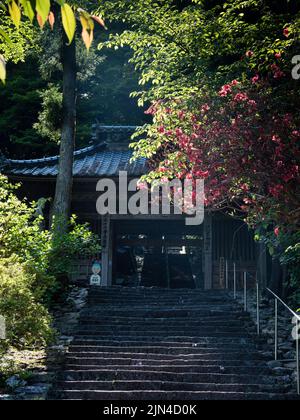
{"points": [[28, 322], [78, 240], [34, 266]]}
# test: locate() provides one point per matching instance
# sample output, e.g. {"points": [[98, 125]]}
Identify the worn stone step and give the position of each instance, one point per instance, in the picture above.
{"points": [[130, 345], [93, 316], [144, 375], [222, 341], [163, 329], [158, 314], [165, 307], [88, 359], [159, 334], [172, 395], [160, 323], [117, 290], [214, 317], [158, 344], [165, 386], [157, 302], [177, 366], [161, 350]]}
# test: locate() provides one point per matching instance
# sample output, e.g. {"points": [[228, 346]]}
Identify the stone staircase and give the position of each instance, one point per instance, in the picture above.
{"points": [[160, 344]]}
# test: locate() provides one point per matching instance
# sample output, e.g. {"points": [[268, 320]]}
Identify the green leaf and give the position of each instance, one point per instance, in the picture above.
{"points": [[4, 35], [68, 20], [15, 13], [2, 69], [28, 10], [43, 9]]}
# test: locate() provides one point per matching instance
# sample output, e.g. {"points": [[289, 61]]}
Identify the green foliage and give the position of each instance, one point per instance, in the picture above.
{"points": [[194, 48], [20, 104], [104, 86], [28, 322], [32, 263], [15, 44], [66, 246], [285, 246], [50, 118], [291, 259], [24, 281]]}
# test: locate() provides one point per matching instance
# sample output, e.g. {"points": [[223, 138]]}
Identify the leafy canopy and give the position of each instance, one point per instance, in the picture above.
{"points": [[44, 11]]}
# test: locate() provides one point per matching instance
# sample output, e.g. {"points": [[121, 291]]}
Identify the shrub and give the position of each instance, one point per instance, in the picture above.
{"points": [[33, 266], [28, 322], [78, 240]]}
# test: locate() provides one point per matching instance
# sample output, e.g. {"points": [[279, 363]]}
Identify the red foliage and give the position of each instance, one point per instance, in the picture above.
{"points": [[248, 155]]}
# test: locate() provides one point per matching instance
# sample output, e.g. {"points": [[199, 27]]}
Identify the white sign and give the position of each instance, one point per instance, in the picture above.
{"points": [[2, 328], [95, 280]]}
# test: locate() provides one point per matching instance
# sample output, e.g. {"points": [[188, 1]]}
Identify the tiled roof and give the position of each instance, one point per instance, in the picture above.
{"points": [[93, 161]]}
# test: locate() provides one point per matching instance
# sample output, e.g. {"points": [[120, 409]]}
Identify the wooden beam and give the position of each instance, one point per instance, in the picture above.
{"points": [[208, 262], [106, 251]]}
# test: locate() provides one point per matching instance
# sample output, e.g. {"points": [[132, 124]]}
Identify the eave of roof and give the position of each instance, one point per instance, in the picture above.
{"points": [[94, 161]]}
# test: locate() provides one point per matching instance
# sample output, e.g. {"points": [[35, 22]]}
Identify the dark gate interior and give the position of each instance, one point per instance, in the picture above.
{"points": [[157, 253]]}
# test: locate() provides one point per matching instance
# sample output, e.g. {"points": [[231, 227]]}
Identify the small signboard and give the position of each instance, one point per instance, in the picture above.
{"points": [[95, 280]]}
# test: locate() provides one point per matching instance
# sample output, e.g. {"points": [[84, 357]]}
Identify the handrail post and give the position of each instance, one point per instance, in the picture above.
{"points": [[276, 329], [245, 291], [227, 280], [234, 280], [297, 355], [257, 308], [297, 318]]}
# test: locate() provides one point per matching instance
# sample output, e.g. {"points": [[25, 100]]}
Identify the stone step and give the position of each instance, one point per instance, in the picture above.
{"points": [[157, 301], [160, 323], [158, 320], [162, 338], [161, 350], [163, 329], [165, 386], [158, 334], [171, 395], [158, 344], [177, 366], [157, 313], [93, 316], [148, 375], [146, 345], [88, 359], [165, 307], [119, 290], [223, 341]]}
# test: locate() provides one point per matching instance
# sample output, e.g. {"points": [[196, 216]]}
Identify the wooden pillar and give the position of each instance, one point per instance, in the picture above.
{"points": [[208, 261], [262, 265], [106, 251]]}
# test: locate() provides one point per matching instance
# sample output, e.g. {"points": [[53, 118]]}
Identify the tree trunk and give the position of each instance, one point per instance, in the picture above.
{"points": [[64, 181]]}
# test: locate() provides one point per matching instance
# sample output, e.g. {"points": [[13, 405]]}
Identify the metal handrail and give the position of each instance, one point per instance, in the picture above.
{"points": [[297, 317], [276, 300], [284, 304]]}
